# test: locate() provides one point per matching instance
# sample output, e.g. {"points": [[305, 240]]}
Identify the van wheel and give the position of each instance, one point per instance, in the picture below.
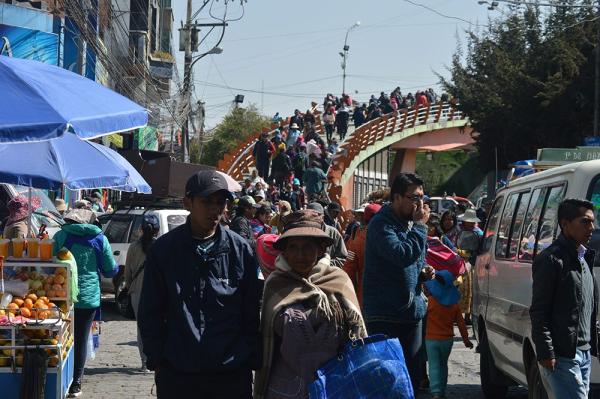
{"points": [[534, 381], [123, 304], [487, 370]]}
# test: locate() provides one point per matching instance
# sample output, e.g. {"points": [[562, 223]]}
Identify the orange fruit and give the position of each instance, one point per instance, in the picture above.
{"points": [[44, 299], [25, 312], [33, 297], [49, 280], [56, 287], [59, 279], [51, 293], [18, 301], [28, 303]]}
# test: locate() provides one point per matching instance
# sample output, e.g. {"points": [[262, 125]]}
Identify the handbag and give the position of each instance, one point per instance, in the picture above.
{"points": [[369, 368]]}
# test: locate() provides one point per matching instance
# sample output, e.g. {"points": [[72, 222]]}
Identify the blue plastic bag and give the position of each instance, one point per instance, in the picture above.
{"points": [[372, 368]]}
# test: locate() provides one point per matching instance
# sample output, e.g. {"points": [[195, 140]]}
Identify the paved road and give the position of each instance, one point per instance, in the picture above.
{"points": [[113, 373]]}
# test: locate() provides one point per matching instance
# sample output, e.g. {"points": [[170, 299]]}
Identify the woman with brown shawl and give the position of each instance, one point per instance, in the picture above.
{"points": [[310, 310]]}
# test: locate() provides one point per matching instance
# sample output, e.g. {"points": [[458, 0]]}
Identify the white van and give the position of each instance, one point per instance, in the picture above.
{"points": [[522, 222]]}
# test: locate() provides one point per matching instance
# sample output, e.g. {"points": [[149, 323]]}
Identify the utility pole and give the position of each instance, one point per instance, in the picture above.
{"points": [[597, 76], [187, 72]]}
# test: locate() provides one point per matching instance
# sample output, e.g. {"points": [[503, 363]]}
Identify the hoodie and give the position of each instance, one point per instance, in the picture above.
{"points": [[88, 278]]}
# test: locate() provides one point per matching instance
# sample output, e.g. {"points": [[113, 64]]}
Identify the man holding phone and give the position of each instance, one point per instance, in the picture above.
{"points": [[395, 268]]}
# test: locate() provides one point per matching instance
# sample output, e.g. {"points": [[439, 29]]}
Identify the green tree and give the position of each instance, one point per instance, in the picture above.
{"points": [[235, 127], [526, 82]]}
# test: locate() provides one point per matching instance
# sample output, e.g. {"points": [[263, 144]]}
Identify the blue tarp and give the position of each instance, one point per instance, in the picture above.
{"points": [[68, 160], [41, 102]]}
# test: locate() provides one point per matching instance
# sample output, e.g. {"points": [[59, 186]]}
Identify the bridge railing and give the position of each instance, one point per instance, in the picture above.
{"points": [[377, 129], [238, 162]]}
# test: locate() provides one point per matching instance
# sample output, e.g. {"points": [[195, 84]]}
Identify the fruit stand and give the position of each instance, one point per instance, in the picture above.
{"points": [[40, 319]]}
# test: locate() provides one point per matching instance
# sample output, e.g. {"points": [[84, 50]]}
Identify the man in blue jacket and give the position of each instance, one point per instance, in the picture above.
{"points": [[199, 307], [395, 269]]}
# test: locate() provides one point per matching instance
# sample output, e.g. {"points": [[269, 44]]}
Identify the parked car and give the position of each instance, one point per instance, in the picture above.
{"points": [[124, 227], [441, 204], [522, 222]]}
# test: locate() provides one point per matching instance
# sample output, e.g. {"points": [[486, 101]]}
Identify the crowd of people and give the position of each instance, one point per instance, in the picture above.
{"points": [[277, 282]]}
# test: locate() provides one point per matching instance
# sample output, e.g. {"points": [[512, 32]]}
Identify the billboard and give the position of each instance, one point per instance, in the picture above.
{"points": [[30, 44], [28, 33]]}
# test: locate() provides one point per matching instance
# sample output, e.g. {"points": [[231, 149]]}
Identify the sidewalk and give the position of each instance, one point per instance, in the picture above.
{"points": [[114, 374]]}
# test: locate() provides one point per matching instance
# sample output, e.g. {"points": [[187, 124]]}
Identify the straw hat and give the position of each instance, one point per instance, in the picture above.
{"points": [[306, 223], [60, 204], [469, 216]]}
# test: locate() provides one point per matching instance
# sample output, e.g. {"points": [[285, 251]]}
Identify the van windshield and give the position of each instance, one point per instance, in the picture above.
{"points": [[46, 213]]}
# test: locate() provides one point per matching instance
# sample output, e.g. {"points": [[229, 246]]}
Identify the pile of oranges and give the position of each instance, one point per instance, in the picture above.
{"points": [[32, 307], [55, 286]]}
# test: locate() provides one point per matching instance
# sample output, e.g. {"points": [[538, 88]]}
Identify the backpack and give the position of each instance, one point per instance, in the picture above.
{"points": [[300, 161]]}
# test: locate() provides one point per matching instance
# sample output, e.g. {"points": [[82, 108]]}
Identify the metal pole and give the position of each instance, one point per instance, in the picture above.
{"points": [[597, 76], [187, 72], [344, 57]]}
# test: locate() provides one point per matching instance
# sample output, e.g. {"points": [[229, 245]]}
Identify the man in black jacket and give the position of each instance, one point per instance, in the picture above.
{"points": [[199, 306], [564, 304]]}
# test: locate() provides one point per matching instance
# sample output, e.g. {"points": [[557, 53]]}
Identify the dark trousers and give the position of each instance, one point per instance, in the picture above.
{"points": [[82, 326], [262, 167], [329, 132], [171, 383], [411, 339]]}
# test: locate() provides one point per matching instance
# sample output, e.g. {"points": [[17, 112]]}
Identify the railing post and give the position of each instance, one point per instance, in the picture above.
{"points": [[438, 114], [415, 115]]}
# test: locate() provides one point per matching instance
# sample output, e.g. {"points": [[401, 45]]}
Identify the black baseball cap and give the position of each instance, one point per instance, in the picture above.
{"points": [[205, 183]]}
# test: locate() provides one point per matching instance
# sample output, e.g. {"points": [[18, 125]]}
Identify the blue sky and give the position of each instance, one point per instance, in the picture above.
{"points": [[291, 48]]}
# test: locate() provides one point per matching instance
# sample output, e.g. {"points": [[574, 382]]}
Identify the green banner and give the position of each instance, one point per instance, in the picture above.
{"points": [[147, 138], [578, 154]]}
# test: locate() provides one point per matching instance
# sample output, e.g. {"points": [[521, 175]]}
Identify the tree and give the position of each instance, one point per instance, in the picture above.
{"points": [[527, 82], [235, 128]]}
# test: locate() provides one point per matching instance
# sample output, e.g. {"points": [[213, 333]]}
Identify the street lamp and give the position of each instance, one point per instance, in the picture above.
{"points": [[214, 50], [344, 55]]}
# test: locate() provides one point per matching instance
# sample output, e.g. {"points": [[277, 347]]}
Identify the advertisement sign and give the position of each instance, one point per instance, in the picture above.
{"points": [[31, 44], [147, 138]]}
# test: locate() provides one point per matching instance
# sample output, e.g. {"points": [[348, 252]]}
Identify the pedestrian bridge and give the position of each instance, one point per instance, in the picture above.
{"points": [[375, 151], [381, 148]]}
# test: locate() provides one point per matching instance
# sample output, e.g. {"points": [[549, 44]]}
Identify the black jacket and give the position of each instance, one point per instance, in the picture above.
{"points": [[198, 312], [556, 297]]}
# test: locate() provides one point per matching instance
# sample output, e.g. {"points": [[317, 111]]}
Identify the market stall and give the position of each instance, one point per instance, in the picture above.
{"points": [[36, 319], [44, 149]]}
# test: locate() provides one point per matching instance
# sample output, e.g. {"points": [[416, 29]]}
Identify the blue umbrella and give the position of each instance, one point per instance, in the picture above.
{"points": [[40, 102], [69, 161]]}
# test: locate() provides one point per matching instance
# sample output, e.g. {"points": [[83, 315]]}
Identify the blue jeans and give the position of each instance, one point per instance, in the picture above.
{"points": [[438, 352], [570, 378]]}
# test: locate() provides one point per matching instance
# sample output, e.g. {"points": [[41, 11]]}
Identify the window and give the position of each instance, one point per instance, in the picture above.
{"points": [[492, 224], [505, 223], [117, 229], [530, 225], [433, 206], [549, 221], [515, 233], [136, 228], [594, 197], [447, 204], [174, 221]]}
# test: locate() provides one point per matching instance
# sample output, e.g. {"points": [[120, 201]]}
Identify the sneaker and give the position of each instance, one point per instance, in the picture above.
{"points": [[74, 391]]}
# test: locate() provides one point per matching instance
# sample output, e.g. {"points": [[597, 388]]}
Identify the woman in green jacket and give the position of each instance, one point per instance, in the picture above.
{"points": [[93, 255]]}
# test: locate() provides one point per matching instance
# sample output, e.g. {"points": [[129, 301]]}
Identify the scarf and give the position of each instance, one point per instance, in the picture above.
{"points": [[285, 287]]}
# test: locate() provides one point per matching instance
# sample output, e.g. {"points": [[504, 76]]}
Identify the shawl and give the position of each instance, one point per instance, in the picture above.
{"points": [[285, 287]]}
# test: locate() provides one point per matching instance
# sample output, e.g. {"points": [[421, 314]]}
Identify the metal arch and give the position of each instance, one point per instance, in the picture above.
{"points": [[391, 139]]}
